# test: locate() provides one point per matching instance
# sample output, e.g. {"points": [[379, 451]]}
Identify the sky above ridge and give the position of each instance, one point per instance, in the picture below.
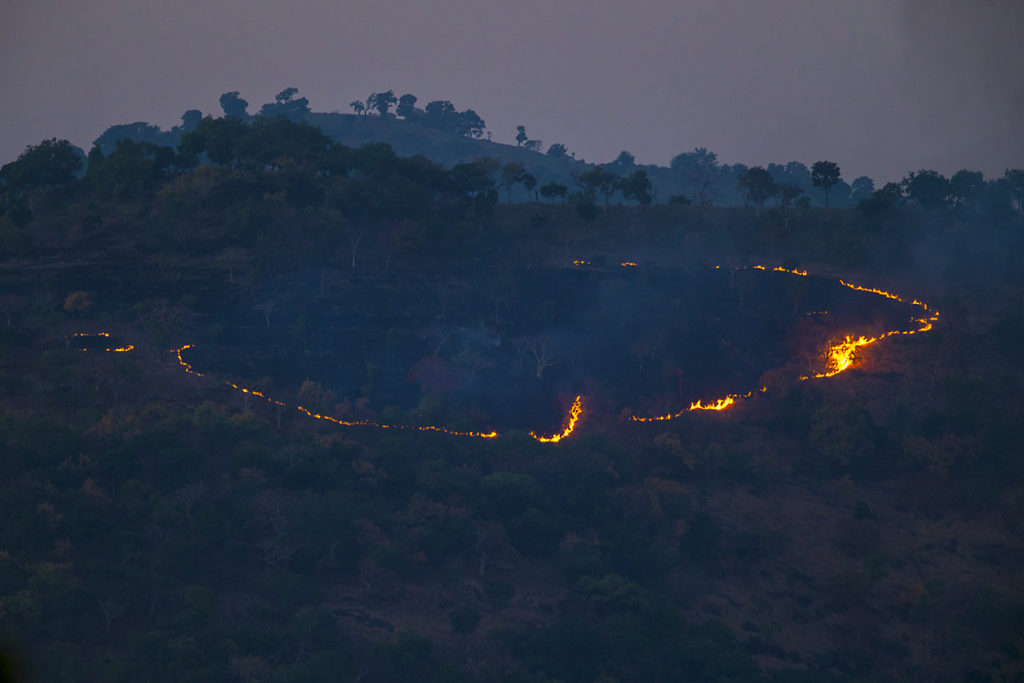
{"points": [[882, 87]]}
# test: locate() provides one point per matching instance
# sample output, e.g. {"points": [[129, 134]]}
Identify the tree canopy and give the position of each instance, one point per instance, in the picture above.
{"points": [[825, 174]]}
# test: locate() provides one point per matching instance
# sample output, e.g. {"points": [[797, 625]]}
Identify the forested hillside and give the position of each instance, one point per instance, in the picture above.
{"points": [[160, 523]]}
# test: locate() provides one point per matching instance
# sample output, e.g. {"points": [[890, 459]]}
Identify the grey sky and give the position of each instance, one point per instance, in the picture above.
{"points": [[881, 87]]}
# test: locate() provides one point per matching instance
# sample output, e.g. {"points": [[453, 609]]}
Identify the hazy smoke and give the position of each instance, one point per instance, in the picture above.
{"points": [[966, 60]]}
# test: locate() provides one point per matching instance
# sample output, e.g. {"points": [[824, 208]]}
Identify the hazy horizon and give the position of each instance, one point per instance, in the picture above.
{"points": [[880, 88]]}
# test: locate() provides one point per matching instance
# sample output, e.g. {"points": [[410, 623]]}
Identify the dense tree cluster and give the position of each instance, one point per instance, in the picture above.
{"points": [[439, 114], [695, 177]]}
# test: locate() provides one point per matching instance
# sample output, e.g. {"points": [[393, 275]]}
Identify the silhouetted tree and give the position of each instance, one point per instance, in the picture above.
{"points": [[552, 190], [233, 105], [758, 185], [928, 189], [381, 102], [220, 139], [407, 107], [1014, 178], [52, 162], [598, 181], [699, 168], [139, 131], [787, 193], [475, 181], [637, 187], [267, 141], [861, 188], [965, 187], [358, 107], [825, 174], [512, 173], [442, 115], [437, 114], [190, 119], [521, 136], [469, 123], [286, 105], [558, 150], [623, 164], [132, 168], [529, 182], [881, 202]]}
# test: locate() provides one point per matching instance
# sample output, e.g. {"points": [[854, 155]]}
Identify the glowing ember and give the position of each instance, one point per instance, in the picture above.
{"points": [[574, 415], [105, 335], [629, 264], [776, 269]]}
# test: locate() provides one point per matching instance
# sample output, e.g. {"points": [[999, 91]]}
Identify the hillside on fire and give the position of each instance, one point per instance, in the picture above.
{"points": [[274, 408]]}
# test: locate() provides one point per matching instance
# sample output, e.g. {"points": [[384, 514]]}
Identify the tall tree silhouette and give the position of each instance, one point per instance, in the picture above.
{"points": [[825, 174]]}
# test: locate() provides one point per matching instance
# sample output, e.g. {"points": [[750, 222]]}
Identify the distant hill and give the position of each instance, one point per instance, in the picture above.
{"points": [[409, 138]]}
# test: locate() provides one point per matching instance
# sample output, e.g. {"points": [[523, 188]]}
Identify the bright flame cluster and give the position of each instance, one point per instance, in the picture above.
{"points": [[574, 415], [840, 354], [715, 404]]}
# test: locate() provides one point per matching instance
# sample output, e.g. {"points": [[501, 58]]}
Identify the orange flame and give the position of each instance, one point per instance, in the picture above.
{"points": [[105, 335], [574, 415], [777, 269], [840, 355], [872, 290], [344, 423], [717, 404]]}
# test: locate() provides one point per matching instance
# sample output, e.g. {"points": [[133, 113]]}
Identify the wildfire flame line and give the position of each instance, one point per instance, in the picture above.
{"points": [[344, 423], [716, 405], [574, 415], [840, 355], [777, 269], [105, 335]]}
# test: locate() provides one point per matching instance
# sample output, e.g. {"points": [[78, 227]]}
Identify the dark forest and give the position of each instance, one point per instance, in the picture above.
{"points": [[278, 393]]}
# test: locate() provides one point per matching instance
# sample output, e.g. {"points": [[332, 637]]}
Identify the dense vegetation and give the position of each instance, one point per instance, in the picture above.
{"points": [[448, 137], [161, 526]]}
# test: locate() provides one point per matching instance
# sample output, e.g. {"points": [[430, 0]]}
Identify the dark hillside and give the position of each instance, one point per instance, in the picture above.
{"points": [[165, 525]]}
